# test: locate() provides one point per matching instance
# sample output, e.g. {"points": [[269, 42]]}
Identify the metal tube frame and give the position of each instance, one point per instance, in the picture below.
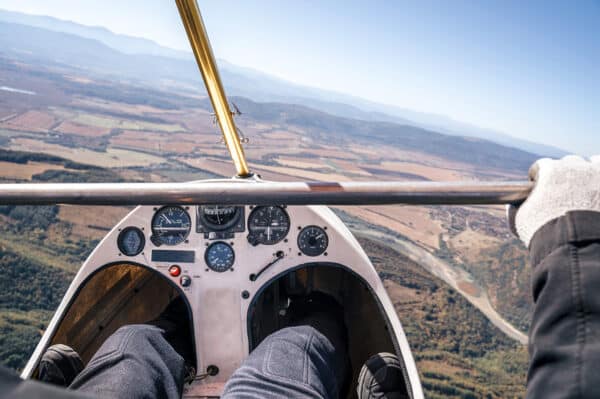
{"points": [[256, 192]]}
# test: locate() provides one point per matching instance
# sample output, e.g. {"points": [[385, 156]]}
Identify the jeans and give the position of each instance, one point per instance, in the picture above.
{"points": [[137, 362], [134, 362]]}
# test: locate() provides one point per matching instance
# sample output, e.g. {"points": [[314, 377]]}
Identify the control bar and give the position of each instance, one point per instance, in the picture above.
{"points": [[253, 192]]}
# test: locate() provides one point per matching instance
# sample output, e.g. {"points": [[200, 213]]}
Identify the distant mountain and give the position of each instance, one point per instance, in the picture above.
{"points": [[323, 127], [262, 87], [122, 43], [138, 58]]}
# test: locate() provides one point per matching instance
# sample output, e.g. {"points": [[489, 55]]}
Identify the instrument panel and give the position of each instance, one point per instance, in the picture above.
{"points": [[218, 231]]}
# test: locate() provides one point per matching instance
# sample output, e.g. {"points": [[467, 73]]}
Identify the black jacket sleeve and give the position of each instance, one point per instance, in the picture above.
{"points": [[564, 339]]}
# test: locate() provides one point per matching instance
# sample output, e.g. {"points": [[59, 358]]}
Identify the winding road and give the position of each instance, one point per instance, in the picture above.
{"points": [[453, 276]]}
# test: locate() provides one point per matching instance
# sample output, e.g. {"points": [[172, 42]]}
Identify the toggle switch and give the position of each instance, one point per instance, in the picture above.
{"points": [[185, 281]]}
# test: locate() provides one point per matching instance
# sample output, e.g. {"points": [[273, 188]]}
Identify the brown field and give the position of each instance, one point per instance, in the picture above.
{"points": [[215, 166], [303, 163], [113, 105], [196, 120], [91, 221], [280, 135], [325, 152], [208, 151], [469, 245], [82, 130], [25, 171], [32, 120], [159, 142], [305, 174], [211, 138], [411, 221], [111, 158], [350, 167], [429, 172]]}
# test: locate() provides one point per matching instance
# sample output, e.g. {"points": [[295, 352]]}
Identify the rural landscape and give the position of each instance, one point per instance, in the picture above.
{"points": [[73, 109]]}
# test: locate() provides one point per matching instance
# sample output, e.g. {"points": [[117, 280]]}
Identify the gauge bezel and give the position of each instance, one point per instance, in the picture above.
{"points": [[157, 237], [203, 225], [303, 231], [121, 236], [209, 264], [253, 239]]}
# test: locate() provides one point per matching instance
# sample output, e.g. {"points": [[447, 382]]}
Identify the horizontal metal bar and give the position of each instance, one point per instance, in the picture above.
{"points": [[238, 192]]}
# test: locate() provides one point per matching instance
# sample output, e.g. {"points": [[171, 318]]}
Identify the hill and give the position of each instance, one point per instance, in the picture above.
{"points": [[143, 59], [459, 353]]}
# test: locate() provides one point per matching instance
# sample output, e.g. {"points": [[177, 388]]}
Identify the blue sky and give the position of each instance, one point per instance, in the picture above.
{"points": [[530, 69]]}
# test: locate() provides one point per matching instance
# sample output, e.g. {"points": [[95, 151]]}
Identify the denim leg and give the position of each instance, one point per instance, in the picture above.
{"points": [[295, 362], [134, 362]]}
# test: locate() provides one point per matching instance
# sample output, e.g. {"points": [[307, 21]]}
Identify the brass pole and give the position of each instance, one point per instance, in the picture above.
{"points": [[194, 26]]}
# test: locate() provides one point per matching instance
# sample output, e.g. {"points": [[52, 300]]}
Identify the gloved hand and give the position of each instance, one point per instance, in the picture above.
{"points": [[569, 184]]}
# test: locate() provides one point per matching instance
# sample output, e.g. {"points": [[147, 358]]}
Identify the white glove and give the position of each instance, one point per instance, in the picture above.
{"points": [[568, 184]]}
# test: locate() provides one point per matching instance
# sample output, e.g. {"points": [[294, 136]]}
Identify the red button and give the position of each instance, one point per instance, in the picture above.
{"points": [[174, 270]]}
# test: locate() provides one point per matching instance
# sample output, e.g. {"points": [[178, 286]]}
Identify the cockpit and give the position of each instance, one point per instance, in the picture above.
{"points": [[237, 267]]}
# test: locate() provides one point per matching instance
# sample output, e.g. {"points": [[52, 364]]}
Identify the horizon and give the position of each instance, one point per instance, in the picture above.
{"points": [[573, 125]]}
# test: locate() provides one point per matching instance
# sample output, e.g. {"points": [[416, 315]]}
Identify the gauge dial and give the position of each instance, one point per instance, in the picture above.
{"points": [[313, 241], [268, 225], [170, 225], [131, 241], [218, 217], [219, 256]]}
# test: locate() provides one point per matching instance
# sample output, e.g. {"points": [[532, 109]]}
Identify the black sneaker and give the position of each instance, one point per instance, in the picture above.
{"points": [[60, 365], [326, 315], [175, 322], [381, 377], [322, 312]]}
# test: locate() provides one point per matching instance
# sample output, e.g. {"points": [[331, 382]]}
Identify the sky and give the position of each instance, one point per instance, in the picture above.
{"points": [[530, 69]]}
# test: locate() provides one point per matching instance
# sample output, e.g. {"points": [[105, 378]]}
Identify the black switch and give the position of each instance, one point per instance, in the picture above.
{"points": [[185, 281]]}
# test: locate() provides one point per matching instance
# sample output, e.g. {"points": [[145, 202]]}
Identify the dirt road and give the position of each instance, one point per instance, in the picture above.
{"points": [[457, 278]]}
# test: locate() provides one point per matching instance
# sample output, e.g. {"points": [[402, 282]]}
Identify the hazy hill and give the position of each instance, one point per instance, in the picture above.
{"points": [[144, 59], [324, 127], [122, 43]]}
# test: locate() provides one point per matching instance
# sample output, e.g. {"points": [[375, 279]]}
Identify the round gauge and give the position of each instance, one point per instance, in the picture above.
{"points": [[131, 241], [219, 256], [268, 225], [170, 225], [219, 217], [313, 241]]}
